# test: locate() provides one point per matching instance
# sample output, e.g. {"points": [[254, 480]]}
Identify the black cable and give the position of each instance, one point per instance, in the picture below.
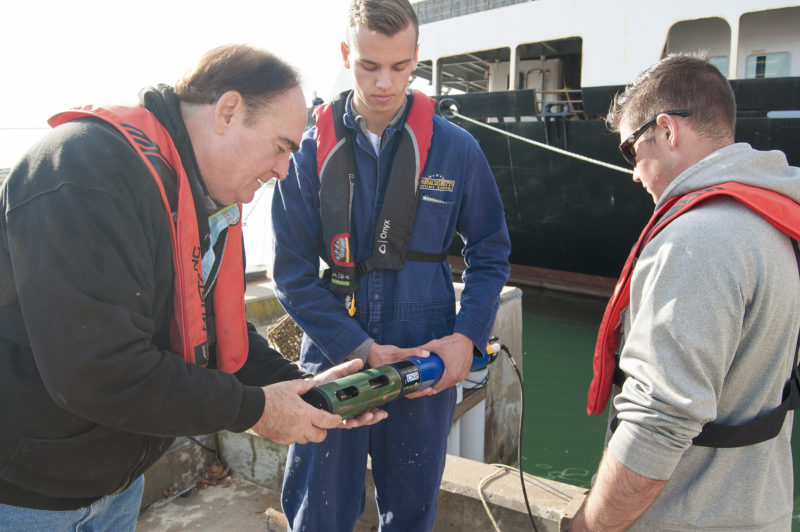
{"points": [[477, 385], [521, 422], [198, 442]]}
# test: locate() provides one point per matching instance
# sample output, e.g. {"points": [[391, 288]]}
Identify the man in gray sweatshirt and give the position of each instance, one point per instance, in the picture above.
{"points": [[711, 325]]}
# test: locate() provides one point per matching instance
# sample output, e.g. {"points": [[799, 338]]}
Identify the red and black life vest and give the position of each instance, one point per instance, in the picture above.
{"points": [[188, 332], [777, 209], [337, 173]]}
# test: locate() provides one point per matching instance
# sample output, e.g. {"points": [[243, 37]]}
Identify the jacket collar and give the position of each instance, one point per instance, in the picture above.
{"points": [[354, 120], [164, 104]]}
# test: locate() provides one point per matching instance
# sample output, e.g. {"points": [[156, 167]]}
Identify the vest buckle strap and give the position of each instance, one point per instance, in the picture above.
{"points": [[201, 354]]}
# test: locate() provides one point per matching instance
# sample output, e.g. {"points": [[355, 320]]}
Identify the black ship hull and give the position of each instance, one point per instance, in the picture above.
{"points": [[574, 217]]}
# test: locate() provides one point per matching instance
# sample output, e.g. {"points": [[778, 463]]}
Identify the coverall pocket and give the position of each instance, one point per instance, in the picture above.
{"points": [[412, 331], [432, 224]]}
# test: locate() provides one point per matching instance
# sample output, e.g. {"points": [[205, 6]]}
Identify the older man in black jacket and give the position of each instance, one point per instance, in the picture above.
{"points": [[121, 292]]}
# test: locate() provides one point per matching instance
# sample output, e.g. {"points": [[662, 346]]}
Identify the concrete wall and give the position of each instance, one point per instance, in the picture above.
{"points": [[503, 404], [178, 470]]}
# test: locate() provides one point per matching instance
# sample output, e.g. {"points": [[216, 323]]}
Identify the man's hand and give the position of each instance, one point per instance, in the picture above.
{"points": [[456, 353], [380, 355], [368, 417], [337, 372], [287, 418]]}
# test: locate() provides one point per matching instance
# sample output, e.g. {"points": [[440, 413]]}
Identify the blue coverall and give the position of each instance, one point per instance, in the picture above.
{"points": [[324, 482]]}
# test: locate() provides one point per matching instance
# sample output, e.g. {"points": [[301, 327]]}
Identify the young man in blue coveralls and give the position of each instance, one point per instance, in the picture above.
{"points": [[397, 311]]}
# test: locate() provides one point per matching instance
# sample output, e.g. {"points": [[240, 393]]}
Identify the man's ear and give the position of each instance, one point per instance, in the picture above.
{"points": [[345, 54], [228, 110], [671, 127]]}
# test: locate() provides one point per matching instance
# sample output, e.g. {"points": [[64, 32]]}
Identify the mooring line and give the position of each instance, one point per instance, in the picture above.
{"points": [[453, 111]]}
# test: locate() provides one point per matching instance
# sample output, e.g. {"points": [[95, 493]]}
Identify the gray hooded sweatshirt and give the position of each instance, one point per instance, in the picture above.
{"points": [[709, 335]]}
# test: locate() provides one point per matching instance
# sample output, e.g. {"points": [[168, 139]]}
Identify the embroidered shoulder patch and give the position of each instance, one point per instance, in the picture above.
{"points": [[437, 182]]}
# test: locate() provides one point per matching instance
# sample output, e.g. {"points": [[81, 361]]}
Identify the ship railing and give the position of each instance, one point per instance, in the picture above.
{"points": [[560, 103], [435, 10], [522, 105]]}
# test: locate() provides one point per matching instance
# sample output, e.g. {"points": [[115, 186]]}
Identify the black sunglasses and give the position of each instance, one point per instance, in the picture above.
{"points": [[627, 145]]}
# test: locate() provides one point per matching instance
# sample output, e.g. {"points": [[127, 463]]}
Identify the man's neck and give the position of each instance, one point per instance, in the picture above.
{"points": [[378, 122]]}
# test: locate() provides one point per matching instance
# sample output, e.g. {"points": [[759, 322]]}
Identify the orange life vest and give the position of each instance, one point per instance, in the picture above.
{"points": [[188, 332], [779, 210], [337, 173]]}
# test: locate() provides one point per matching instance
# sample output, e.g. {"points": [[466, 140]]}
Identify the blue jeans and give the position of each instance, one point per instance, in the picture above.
{"points": [[113, 513]]}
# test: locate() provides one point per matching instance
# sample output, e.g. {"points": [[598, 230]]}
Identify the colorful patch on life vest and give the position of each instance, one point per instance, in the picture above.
{"points": [[437, 182], [340, 249]]}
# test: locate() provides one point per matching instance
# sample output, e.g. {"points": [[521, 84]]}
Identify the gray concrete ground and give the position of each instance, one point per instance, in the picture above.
{"points": [[236, 506], [240, 506]]}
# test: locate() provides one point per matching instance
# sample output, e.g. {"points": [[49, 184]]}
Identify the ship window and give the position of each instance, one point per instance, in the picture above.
{"points": [[711, 36], [721, 62], [767, 65], [422, 75], [485, 70], [768, 44]]}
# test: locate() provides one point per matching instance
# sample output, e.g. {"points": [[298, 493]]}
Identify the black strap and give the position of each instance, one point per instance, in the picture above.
{"points": [[420, 256], [337, 177], [619, 376], [339, 105], [363, 267], [392, 233], [756, 430], [368, 265]]}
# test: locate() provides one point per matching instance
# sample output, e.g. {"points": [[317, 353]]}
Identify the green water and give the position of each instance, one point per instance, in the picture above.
{"points": [[560, 441]]}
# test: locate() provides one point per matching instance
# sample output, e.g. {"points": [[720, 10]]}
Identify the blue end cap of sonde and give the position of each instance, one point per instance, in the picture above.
{"points": [[430, 369], [480, 362]]}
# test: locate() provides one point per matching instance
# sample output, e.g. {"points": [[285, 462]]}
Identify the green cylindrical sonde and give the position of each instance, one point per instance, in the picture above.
{"points": [[351, 395]]}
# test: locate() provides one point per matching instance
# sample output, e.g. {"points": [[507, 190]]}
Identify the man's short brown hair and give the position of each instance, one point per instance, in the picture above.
{"points": [[384, 16], [256, 74], [677, 82]]}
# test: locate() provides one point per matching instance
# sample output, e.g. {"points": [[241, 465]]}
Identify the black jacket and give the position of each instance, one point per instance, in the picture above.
{"points": [[92, 395]]}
